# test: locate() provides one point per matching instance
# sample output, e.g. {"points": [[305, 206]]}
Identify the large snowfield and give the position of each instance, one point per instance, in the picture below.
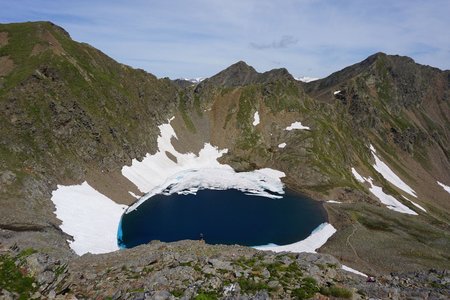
{"points": [[89, 216]]}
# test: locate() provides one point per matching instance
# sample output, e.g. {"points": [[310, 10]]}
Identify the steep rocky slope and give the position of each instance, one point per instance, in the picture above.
{"points": [[69, 113]]}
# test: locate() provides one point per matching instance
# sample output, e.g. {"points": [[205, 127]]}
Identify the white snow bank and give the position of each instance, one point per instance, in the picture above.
{"points": [[195, 80], [348, 269], [159, 174], [297, 125], [389, 175], [256, 118], [89, 216], [306, 78], [256, 183], [384, 198], [333, 201], [313, 242], [282, 145], [445, 187], [336, 92], [415, 204]]}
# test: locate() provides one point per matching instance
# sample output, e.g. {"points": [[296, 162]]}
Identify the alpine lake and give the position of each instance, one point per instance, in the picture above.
{"points": [[222, 217]]}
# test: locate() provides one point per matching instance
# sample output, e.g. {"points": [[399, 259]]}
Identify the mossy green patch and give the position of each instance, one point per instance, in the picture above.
{"points": [[14, 277], [206, 295], [308, 288], [336, 291], [250, 286], [281, 95]]}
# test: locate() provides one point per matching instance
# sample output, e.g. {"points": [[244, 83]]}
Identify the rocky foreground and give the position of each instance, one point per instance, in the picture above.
{"points": [[193, 270]]}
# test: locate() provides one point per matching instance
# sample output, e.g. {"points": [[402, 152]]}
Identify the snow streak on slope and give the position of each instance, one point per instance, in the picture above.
{"points": [[384, 198], [357, 176], [415, 204], [445, 187], [317, 239], [348, 269], [297, 125], [89, 216], [389, 175], [389, 200], [189, 172]]}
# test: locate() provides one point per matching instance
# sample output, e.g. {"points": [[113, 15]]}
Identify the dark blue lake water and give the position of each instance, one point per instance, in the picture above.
{"points": [[222, 217]]}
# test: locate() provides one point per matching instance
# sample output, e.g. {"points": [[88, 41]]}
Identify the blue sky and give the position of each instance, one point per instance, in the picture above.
{"points": [[198, 38]]}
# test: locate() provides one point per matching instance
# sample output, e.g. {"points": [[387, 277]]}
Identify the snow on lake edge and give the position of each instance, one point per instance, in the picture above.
{"points": [[191, 172], [93, 219], [89, 216], [334, 201], [314, 241]]}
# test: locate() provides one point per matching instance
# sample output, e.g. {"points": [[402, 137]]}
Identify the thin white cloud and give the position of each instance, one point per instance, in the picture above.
{"points": [[284, 42]]}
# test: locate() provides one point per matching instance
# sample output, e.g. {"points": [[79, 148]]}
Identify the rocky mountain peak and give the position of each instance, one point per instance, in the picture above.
{"points": [[241, 74], [237, 74], [275, 74]]}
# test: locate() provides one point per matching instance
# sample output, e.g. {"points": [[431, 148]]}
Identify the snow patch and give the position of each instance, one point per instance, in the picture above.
{"points": [[389, 175], [415, 204], [445, 187], [297, 125], [317, 239], [348, 269], [282, 145], [89, 216], [256, 118]]}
